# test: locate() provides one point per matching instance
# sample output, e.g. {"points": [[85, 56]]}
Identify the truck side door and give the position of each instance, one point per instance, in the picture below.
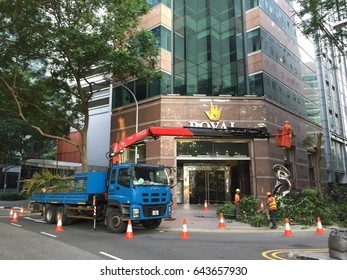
{"points": [[120, 185]]}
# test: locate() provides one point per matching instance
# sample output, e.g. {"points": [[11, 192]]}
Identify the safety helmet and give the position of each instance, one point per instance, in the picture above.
{"points": [[237, 190], [268, 193]]}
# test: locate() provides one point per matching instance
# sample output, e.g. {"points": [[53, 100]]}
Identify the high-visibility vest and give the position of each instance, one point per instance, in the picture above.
{"points": [[272, 203], [237, 200]]}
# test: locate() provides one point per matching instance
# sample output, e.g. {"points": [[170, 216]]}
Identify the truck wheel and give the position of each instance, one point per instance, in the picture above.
{"points": [[114, 221], [151, 224], [50, 214], [64, 219]]}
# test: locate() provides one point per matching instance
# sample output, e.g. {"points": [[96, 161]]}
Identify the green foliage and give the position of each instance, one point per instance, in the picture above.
{"points": [[18, 140], [304, 206], [11, 196], [320, 15], [50, 52], [308, 141], [228, 210], [300, 207], [249, 212], [340, 211], [336, 196]]}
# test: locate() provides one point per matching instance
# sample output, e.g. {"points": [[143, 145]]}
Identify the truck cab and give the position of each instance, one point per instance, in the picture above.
{"points": [[140, 192]]}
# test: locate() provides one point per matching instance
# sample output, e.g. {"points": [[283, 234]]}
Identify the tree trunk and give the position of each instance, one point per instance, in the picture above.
{"points": [[83, 151]]}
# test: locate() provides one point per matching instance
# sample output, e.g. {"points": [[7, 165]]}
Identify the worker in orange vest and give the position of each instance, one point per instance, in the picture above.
{"points": [[237, 204], [272, 206], [287, 125]]}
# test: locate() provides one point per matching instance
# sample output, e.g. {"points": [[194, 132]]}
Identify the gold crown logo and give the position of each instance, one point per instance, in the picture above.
{"points": [[214, 113]]}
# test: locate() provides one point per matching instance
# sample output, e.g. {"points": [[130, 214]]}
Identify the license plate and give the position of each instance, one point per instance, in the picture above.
{"points": [[155, 212]]}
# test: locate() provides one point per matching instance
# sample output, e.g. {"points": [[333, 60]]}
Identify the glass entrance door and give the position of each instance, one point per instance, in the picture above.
{"points": [[216, 186], [207, 183]]}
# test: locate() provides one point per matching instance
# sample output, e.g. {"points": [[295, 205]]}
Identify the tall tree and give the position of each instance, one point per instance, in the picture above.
{"points": [[18, 140], [50, 49], [322, 16], [313, 143]]}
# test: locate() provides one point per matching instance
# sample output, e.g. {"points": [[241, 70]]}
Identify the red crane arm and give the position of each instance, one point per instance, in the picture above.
{"points": [[192, 132], [154, 132]]}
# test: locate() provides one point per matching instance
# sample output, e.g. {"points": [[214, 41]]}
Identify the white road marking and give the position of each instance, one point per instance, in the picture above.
{"points": [[51, 235], [110, 256], [16, 225], [35, 220]]}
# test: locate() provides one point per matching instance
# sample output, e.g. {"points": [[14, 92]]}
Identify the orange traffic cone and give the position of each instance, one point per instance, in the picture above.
{"points": [[10, 215], [205, 205], [261, 208], [319, 229], [221, 221], [21, 213], [129, 234], [59, 226], [287, 230], [14, 218], [185, 234]]}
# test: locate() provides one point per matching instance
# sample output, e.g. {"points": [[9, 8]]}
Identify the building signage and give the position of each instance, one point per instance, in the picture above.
{"points": [[214, 116]]}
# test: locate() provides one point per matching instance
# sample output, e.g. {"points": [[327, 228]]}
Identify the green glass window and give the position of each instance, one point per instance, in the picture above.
{"points": [[250, 4], [272, 9], [253, 40], [141, 89], [208, 48], [212, 149], [163, 36], [289, 98], [256, 85]]}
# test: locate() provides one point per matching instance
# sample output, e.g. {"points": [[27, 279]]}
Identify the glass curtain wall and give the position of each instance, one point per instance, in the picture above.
{"points": [[208, 47]]}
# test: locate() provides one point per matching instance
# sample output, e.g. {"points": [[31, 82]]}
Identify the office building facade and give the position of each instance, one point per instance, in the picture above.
{"points": [[224, 64], [332, 85]]}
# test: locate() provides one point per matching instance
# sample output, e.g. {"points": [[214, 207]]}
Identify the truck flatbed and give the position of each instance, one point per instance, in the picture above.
{"points": [[85, 184]]}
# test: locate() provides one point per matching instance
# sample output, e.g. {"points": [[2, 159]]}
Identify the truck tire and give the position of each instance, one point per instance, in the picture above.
{"points": [[50, 214], [63, 212], [151, 224], [114, 221]]}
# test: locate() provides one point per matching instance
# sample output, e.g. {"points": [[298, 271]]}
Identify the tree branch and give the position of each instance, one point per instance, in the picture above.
{"points": [[20, 112]]}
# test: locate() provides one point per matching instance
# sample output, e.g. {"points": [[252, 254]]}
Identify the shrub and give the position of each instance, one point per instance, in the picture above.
{"points": [[249, 212], [10, 196], [301, 207], [304, 206], [228, 210]]}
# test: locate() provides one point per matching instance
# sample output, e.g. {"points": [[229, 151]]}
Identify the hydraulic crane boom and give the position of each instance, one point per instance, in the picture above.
{"points": [[191, 132]]}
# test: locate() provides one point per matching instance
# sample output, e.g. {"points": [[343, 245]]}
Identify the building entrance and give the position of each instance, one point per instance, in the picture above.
{"points": [[206, 182], [207, 185]]}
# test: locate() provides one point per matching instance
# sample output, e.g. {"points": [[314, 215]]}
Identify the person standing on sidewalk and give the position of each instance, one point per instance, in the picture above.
{"points": [[272, 206], [237, 204]]}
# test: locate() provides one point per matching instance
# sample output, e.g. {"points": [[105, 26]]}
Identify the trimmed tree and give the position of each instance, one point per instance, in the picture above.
{"points": [[50, 49]]}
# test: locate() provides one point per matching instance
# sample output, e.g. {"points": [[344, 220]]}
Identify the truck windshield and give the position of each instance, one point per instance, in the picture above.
{"points": [[150, 175]]}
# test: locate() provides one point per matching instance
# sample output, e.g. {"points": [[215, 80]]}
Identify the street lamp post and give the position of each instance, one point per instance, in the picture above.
{"points": [[137, 116]]}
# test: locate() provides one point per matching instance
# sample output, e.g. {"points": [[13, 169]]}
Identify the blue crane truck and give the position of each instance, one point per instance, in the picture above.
{"points": [[140, 192]]}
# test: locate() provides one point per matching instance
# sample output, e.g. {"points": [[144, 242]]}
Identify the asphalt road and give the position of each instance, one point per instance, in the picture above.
{"points": [[33, 248], [31, 239]]}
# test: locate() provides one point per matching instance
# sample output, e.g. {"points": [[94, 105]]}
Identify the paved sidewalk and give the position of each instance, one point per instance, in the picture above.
{"points": [[17, 204], [198, 219]]}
